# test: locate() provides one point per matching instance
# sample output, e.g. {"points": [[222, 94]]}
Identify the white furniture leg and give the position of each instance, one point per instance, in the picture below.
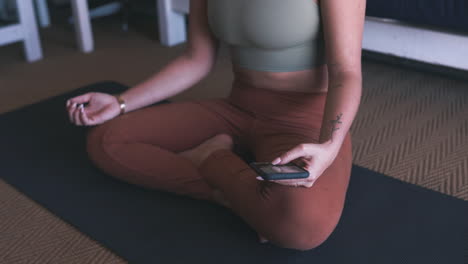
{"points": [[42, 13], [28, 26], [172, 29], [415, 42], [84, 34]]}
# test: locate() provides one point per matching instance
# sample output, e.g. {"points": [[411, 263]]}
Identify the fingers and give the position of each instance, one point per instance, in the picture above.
{"points": [[77, 112], [297, 152], [73, 107], [73, 111], [85, 119], [76, 116], [306, 163], [70, 110], [299, 162], [80, 99], [83, 116], [296, 183], [293, 183]]}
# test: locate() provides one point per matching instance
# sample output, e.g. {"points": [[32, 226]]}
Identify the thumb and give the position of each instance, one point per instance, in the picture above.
{"points": [[103, 115], [297, 152]]}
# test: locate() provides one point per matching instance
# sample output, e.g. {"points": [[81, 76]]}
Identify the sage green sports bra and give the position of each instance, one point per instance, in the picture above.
{"points": [[269, 35]]}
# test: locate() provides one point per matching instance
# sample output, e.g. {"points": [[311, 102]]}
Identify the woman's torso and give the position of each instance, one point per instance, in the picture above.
{"points": [[254, 29]]}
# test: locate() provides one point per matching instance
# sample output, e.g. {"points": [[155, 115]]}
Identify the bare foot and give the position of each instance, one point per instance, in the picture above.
{"points": [[199, 153]]}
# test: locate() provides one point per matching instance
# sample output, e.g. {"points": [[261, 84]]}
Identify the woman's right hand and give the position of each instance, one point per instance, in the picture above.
{"points": [[100, 108]]}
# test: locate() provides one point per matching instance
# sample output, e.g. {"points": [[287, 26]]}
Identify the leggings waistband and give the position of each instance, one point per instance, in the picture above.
{"points": [[274, 103]]}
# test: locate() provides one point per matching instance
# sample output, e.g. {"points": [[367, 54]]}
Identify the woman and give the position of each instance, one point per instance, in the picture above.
{"points": [[296, 91]]}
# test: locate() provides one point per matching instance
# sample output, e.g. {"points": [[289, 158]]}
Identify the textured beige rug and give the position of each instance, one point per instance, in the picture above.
{"points": [[414, 126]]}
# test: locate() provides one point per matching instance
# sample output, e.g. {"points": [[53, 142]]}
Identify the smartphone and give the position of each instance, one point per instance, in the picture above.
{"points": [[269, 172]]}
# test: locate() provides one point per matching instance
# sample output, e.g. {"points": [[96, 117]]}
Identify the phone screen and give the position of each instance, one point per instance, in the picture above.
{"points": [[271, 169]]}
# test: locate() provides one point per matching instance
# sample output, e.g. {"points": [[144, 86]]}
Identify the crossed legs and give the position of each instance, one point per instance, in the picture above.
{"points": [[165, 147], [142, 147]]}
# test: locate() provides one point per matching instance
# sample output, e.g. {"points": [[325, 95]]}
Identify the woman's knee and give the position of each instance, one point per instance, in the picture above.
{"points": [[300, 225], [302, 242], [301, 234]]}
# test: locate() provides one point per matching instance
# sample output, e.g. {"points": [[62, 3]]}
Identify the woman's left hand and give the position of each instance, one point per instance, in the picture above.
{"points": [[315, 158]]}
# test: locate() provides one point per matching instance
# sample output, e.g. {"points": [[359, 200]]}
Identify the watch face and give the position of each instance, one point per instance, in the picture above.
{"points": [[273, 169]]}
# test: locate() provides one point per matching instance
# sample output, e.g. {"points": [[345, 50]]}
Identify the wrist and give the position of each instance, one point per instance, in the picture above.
{"points": [[121, 103], [330, 143]]}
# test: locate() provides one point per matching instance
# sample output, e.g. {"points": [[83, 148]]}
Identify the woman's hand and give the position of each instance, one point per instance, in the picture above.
{"points": [[100, 108], [315, 158]]}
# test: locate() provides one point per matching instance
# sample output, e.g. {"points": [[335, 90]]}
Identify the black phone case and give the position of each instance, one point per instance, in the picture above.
{"points": [[279, 176]]}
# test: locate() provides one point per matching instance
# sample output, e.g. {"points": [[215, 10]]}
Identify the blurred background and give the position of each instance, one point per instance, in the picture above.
{"points": [[125, 48]]}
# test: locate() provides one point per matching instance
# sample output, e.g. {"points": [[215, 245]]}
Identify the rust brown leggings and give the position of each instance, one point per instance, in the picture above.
{"points": [[141, 148]]}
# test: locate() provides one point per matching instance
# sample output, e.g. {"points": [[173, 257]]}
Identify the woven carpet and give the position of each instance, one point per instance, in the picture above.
{"points": [[414, 126]]}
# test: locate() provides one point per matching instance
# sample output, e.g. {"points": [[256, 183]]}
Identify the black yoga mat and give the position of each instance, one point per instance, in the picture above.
{"points": [[384, 220]]}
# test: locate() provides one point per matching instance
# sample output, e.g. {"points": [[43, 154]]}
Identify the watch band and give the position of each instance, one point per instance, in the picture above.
{"points": [[121, 103]]}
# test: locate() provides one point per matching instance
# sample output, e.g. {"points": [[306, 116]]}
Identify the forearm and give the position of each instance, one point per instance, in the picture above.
{"points": [[343, 99], [177, 76]]}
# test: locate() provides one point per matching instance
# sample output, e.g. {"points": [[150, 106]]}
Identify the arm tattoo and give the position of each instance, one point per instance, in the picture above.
{"points": [[334, 124]]}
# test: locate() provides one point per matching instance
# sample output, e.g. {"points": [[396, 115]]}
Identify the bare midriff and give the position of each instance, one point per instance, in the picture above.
{"points": [[307, 81]]}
